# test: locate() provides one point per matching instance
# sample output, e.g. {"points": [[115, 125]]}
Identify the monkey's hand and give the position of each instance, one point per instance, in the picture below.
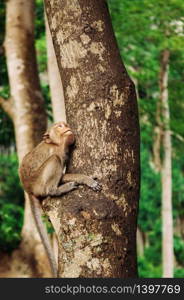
{"points": [[92, 183], [82, 179]]}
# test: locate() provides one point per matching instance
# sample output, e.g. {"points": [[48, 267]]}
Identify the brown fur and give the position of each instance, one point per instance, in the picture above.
{"points": [[42, 170]]}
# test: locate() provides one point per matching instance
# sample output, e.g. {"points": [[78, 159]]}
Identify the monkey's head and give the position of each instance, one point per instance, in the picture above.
{"points": [[58, 134]]}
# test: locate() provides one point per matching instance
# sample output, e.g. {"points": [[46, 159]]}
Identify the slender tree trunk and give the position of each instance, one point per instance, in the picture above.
{"points": [[158, 139], [140, 242], [166, 172], [55, 83], [26, 106], [96, 230]]}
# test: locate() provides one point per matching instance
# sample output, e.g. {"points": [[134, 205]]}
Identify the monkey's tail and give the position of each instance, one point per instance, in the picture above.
{"points": [[36, 210]]}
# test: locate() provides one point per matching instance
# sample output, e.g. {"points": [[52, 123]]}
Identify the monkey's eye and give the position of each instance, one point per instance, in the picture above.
{"points": [[61, 125]]}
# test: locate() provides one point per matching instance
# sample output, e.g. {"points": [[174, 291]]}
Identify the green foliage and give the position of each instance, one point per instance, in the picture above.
{"points": [[6, 127], [46, 95], [147, 269], [39, 20], [179, 273], [179, 250], [40, 37], [41, 53], [3, 69], [11, 203], [11, 219], [149, 210], [2, 20], [48, 224], [6, 130], [178, 187], [9, 180]]}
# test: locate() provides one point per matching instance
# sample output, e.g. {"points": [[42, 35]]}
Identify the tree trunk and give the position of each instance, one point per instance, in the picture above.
{"points": [[140, 242], [158, 139], [26, 107], [96, 230], [55, 83], [166, 172]]}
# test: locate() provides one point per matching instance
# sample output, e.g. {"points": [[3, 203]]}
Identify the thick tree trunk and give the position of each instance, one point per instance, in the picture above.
{"points": [[26, 107], [166, 172], [55, 83], [96, 230]]}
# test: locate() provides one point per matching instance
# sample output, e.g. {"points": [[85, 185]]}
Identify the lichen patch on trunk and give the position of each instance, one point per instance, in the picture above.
{"points": [[72, 52], [80, 259]]}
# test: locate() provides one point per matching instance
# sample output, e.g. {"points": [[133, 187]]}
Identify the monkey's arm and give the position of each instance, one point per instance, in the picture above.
{"points": [[82, 179], [47, 179], [63, 189]]}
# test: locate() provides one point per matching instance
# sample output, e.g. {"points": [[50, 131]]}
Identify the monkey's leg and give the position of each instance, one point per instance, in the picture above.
{"points": [[48, 178], [82, 179]]}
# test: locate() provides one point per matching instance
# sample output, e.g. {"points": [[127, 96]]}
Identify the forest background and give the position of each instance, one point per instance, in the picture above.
{"points": [[140, 30]]}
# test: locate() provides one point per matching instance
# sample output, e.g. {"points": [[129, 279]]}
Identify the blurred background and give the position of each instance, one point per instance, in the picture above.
{"points": [[145, 30]]}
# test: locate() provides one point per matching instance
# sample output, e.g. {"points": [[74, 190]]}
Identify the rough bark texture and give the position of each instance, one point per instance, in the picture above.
{"points": [[26, 106], [166, 172], [96, 230], [55, 83]]}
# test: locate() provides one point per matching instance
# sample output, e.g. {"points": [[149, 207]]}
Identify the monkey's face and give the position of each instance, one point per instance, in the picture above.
{"points": [[65, 132], [59, 133]]}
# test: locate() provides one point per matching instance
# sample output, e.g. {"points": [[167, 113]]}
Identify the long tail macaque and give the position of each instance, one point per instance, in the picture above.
{"points": [[41, 172]]}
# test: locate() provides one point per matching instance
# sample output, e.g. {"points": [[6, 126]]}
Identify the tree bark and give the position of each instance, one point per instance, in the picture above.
{"points": [[55, 83], [96, 230], [26, 107], [166, 172]]}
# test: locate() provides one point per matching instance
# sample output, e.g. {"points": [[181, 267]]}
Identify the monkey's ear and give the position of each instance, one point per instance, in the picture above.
{"points": [[46, 138]]}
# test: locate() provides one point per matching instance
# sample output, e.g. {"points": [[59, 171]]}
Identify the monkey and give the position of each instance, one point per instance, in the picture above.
{"points": [[43, 169]]}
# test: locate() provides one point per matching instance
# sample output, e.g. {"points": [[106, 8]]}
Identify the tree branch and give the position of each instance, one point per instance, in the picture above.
{"points": [[178, 136], [7, 106]]}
